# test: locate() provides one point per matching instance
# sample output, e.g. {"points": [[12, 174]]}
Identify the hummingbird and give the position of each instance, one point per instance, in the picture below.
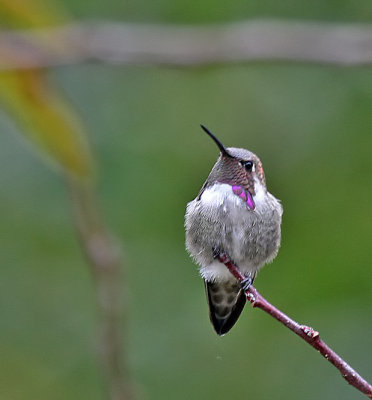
{"points": [[233, 215]]}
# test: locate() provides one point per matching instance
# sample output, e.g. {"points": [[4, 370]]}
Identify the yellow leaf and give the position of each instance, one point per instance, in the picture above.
{"points": [[47, 119], [29, 13]]}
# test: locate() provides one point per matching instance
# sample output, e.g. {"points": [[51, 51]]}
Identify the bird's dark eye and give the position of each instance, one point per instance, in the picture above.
{"points": [[248, 165]]}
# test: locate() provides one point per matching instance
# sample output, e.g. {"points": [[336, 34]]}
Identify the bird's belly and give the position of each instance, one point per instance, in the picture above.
{"points": [[222, 221]]}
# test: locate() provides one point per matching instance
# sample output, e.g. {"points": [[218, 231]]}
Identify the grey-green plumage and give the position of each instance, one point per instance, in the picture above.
{"points": [[235, 214]]}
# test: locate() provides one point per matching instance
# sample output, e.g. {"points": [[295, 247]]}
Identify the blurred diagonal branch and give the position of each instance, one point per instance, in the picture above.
{"points": [[50, 123], [102, 252], [56, 131], [123, 43]]}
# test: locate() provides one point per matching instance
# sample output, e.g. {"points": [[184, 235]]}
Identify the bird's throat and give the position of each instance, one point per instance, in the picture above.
{"points": [[244, 195]]}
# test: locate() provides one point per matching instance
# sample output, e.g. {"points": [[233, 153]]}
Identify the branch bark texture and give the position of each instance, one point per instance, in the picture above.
{"points": [[186, 45], [305, 332]]}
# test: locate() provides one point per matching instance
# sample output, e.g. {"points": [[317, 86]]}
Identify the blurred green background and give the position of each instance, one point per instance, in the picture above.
{"points": [[311, 126]]}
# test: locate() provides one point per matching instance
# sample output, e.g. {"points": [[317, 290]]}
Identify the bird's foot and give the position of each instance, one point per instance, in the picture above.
{"points": [[246, 282], [216, 252], [220, 255]]}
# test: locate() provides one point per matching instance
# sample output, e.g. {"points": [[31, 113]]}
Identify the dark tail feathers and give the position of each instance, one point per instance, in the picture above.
{"points": [[226, 302]]}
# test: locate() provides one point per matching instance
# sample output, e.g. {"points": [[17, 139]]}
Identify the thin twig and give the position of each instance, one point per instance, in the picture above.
{"points": [[305, 332], [102, 252], [342, 44]]}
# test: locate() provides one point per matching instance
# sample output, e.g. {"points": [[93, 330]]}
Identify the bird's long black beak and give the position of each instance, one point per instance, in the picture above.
{"points": [[218, 143]]}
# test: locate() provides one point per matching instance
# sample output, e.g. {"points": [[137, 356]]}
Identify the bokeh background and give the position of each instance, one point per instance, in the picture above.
{"points": [[311, 126]]}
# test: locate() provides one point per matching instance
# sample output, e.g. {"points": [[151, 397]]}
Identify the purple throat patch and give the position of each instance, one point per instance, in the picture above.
{"points": [[244, 195]]}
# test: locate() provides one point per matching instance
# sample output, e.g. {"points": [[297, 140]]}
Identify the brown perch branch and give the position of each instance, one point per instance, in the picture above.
{"points": [[305, 332]]}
